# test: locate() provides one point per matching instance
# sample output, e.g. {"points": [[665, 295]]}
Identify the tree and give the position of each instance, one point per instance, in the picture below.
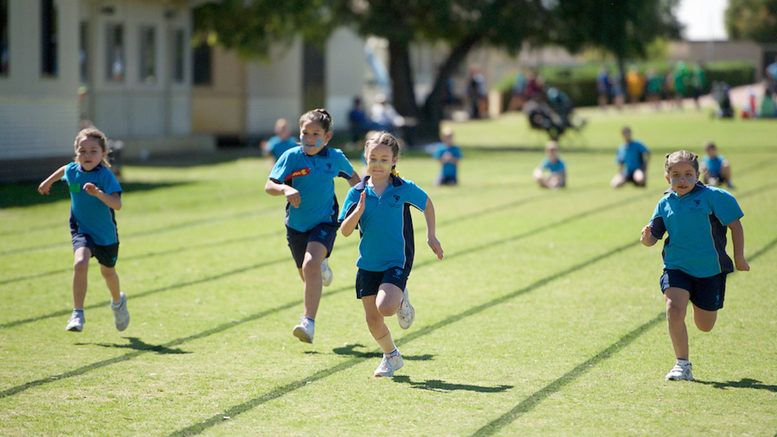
{"points": [[752, 19], [624, 27]]}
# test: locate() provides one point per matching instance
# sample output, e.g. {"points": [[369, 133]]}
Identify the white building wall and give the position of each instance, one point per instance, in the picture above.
{"points": [[274, 89], [39, 115], [345, 74]]}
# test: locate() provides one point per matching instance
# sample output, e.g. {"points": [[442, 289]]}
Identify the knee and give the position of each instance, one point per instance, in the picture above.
{"points": [[108, 272], [310, 266], [81, 265], [386, 309], [374, 322], [674, 311]]}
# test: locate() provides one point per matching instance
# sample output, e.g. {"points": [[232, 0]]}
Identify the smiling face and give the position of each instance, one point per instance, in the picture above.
{"points": [[313, 137], [380, 158], [682, 176], [89, 153]]}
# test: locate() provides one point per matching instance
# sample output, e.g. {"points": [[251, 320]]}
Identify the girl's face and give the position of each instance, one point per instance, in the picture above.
{"points": [[380, 159], [89, 153], [313, 137], [682, 176]]}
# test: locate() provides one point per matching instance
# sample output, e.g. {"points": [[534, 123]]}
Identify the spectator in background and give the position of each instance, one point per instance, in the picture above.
{"points": [[680, 77], [635, 84], [715, 169], [385, 116], [768, 108], [359, 123], [478, 94], [518, 92], [653, 88], [449, 155], [603, 87], [632, 158], [617, 91], [282, 140], [554, 167], [771, 76]]}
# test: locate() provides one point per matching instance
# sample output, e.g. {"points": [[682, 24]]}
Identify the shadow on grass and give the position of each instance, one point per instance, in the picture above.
{"points": [[26, 193], [350, 350], [138, 345], [742, 383], [440, 386]]}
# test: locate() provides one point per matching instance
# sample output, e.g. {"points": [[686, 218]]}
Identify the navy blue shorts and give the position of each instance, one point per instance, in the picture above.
{"points": [[447, 180], [106, 255], [706, 293], [323, 233], [368, 283], [629, 177]]}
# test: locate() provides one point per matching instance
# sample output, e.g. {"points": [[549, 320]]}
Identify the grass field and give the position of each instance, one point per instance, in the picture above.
{"points": [[544, 318]]}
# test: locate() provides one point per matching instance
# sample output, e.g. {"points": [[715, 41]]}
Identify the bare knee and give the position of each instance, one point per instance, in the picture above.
{"points": [[108, 272], [675, 311], [386, 309], [81, 265], [375, 323], [310, 266]]}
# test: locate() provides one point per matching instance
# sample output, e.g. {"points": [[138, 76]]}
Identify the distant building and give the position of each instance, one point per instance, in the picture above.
{"points": [[125, 65]]}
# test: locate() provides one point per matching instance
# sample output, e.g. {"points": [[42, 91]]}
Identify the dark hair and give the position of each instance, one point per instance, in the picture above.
{"points": [[710, 145], [97, 134], [681, 156], [320, 116], [376, 138]]}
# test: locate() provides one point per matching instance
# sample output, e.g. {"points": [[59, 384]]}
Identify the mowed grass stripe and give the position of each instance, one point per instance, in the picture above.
{"points": [[350, 244], [100, 364], [535, 398]]}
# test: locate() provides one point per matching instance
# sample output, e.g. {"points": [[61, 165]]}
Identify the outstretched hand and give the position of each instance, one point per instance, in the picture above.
{"points": [[91, 189]]}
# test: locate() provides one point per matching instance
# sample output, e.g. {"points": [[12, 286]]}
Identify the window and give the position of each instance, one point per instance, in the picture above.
{"points": [[83, 51], [202, 64], [114, 56], [4, 60], [147, 55], [178, 55], [48, 40]]}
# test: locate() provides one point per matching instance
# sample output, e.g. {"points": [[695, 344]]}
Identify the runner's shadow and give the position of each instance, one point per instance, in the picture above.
{"points": [[742, 383], [350, 349], [139, 345], [442, 386]]}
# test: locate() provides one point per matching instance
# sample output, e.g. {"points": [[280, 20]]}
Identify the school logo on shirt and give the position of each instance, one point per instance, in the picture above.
{"points": [[697, 201], [329, 165], [302, 172]]}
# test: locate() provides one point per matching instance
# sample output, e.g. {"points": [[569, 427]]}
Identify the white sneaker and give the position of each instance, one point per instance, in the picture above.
{"points": [[388, 365], [680, 372], [121, 316], [76, 322], [406, 312], [304, 331], [326, 273]]}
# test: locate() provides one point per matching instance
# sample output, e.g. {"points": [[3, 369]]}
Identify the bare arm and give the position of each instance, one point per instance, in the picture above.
{"points": [[647, 237], [45, 186], [738, 241], [275, 189], [352, 220], [355, 178], [431, 239]]}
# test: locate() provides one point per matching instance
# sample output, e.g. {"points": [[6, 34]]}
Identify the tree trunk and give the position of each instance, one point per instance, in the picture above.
{"points": [[402, 84]]}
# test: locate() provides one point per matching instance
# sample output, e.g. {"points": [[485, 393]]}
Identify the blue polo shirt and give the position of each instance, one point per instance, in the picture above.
{"points": [[90, 215], [697, 225], [278, 147], [551, 167], [313, 176], [448, 168], [713, 164], [386, 227], [630, 155]]}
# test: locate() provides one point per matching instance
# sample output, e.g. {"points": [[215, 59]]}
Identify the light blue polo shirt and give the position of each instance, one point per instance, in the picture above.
{"points": [[713, 165], [386, 228], [313, 176], [448, 168], [630, 155], [91, 215], [551, 167], [278, 147], [697, 225]]}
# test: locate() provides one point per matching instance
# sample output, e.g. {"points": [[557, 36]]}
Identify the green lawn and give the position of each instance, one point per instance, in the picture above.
{"points": [[544, 318]]}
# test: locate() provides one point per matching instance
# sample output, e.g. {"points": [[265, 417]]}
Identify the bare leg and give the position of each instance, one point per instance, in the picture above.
{"points": [[311, 272], [617, 181], [112, 281], [388, 299], [375, 322], [639, 177], [705, 320], [80, 277], [676, 307]]}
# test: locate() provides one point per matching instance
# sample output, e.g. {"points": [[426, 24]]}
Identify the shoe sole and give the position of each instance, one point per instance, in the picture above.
{"points": [[74, 329], [412, 318], [301, 335]]}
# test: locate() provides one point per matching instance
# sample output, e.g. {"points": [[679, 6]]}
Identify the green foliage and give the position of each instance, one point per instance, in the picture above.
{"points": [[544, 318], [752, 19]]}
